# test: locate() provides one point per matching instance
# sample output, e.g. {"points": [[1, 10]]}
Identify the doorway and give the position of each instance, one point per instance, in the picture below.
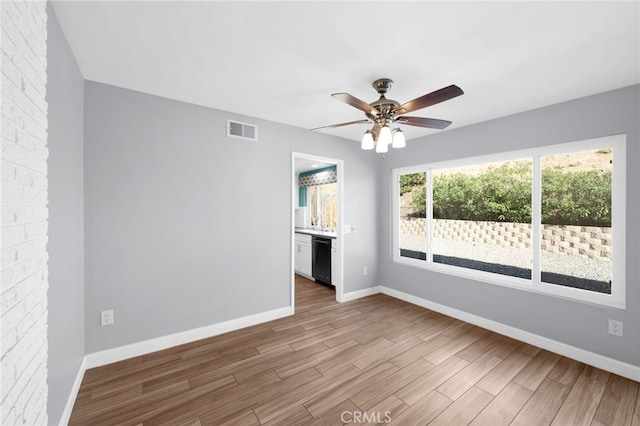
{"points": [[301, 162]]}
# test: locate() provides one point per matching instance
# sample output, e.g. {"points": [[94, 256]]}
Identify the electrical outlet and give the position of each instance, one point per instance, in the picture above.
{"points": [[615, 327], [106, 317], [364, 271]]}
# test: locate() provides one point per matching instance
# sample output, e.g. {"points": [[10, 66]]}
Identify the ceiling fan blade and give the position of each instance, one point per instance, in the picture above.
{"points": [[429, 99], [431, 123], [342, 124], [355, 102]]}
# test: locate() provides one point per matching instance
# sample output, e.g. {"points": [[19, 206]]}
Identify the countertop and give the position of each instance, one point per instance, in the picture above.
{"points": [[327, 234]]}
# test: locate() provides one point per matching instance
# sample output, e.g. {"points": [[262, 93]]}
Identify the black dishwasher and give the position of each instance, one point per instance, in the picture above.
{"points": [[321, 259]]}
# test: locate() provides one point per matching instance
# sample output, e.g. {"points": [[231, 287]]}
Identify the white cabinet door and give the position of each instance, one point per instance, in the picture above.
{"points": [[302, 255]]}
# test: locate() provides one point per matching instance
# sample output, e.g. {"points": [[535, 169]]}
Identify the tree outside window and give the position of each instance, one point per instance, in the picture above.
{"points": [[324, 205]]}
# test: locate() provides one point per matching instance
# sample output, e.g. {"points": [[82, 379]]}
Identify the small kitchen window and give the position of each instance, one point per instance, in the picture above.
{"points": [[319, 193], [323, 203]]}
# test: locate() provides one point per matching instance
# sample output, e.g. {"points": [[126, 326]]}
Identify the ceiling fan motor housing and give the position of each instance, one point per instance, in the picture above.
{"points": [[383, 105]]}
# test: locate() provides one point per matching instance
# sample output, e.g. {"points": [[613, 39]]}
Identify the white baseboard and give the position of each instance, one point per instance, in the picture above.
{"points": [[120, 353], [75, 388], [605, 363], [352, 295]]}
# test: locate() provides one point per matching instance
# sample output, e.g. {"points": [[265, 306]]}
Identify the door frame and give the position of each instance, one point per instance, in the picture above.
{"points": [[339, 284]]}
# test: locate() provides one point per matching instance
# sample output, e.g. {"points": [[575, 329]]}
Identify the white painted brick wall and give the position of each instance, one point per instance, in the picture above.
{"points": [[23, 213]]}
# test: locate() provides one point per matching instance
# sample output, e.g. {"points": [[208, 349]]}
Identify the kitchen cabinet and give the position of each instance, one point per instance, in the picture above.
{"points": [[303, 255]]}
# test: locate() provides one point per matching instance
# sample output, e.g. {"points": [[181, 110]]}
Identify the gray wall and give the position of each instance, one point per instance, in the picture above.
{"points": [[185, 227], [66, 219], [578, 324]]}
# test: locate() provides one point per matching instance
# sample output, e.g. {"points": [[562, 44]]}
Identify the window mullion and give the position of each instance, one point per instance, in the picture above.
{"points": [[318, 207], [429, 202], [536, 220]]}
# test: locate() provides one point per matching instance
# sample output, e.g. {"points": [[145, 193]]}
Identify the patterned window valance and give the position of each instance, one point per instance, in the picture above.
{"points": [[318, 177]]}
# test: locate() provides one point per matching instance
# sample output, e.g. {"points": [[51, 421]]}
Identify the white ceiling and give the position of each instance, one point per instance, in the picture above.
{"points": [[280, 61], [306, 164]]}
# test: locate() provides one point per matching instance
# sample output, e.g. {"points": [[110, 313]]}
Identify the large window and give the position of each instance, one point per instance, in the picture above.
{"points": [[549, 219]]}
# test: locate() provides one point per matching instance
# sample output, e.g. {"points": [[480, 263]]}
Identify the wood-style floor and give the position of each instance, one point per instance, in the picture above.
{"points": [[375, 359]]}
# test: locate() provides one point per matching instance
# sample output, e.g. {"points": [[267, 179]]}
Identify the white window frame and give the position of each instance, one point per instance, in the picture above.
{"points": [[319, 204], [617, 298]]}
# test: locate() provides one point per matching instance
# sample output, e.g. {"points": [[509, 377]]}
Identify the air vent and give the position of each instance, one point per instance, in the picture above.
{"points": [[236, 129]]}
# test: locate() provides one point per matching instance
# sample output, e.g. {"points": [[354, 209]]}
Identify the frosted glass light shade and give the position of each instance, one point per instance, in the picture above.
{"points": [[381, 146], [367, 140], [398, 139], [385, 135]]}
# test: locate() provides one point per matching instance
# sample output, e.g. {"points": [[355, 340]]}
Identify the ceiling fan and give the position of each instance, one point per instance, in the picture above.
{"points": [[385, 112]]}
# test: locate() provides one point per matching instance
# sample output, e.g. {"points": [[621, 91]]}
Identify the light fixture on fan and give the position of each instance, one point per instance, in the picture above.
{"points": [[398, 139], [385, 112], [383, 142], [386, 137], [367, 140]]}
